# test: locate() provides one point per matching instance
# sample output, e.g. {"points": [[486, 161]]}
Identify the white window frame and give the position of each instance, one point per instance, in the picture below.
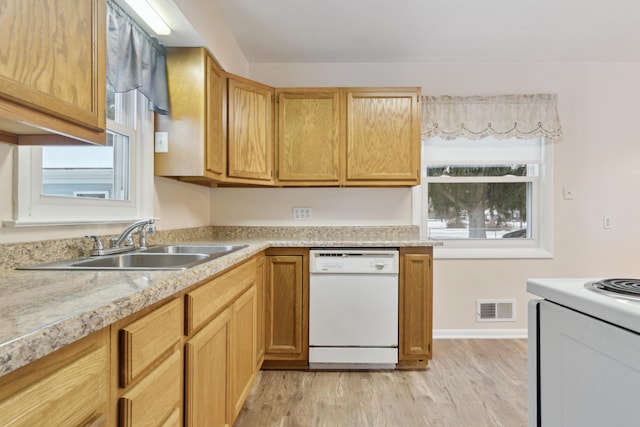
{"points": [[32, 208], [541, 211]]}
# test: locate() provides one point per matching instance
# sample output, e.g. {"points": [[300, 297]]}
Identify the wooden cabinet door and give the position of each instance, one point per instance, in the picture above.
{"points": [[308, 136], [187, 124], [250, 139], [415, 308], [285, 321], [207, 366], [261, 279], [383, 136], [243, 349], [67, 388], [216, 136], [53, 61]]}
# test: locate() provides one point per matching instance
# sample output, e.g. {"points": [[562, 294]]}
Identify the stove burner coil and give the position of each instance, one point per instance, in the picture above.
{"points": [[618, 286]]}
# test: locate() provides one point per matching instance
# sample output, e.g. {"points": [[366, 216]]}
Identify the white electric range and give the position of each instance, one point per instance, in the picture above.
{"points": [[584, 352]]}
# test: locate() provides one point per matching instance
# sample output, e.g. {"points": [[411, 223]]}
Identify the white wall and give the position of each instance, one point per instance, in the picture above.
{"points": [[597, 159], [329, 206]]}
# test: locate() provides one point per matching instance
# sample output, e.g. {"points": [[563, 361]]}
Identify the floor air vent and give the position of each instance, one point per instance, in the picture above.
{"points": [[496, 310]]}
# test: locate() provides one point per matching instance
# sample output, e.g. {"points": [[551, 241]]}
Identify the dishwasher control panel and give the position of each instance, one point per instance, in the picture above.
{"points": [[353, 261]]}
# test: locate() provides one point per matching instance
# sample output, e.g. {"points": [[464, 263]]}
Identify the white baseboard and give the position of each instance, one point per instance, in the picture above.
{"points": [[479, 333]]}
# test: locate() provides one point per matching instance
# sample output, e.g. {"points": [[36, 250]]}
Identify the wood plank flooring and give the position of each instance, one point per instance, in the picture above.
{"points": [[469, 383]]}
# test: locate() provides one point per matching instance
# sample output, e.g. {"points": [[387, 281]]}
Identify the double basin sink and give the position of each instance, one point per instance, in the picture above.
{"points": [[168, 257]]}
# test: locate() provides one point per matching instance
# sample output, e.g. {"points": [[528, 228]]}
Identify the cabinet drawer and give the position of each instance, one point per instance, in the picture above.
{"points": [[147, 340], [155, 400], [208, 300], [73, 395]]}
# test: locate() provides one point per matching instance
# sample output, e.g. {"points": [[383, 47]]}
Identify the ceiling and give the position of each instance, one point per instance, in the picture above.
{"points": [[283, 31]]}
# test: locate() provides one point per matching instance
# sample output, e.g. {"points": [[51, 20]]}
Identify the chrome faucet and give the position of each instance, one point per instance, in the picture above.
{"points": [[144, 227]]}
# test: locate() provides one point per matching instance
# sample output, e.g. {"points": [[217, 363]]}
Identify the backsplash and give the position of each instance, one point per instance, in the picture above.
{"points": [[13, 255], [406, 232]]}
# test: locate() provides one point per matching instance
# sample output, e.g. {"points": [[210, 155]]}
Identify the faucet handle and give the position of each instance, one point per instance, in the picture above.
{"points": [[97, 243]]}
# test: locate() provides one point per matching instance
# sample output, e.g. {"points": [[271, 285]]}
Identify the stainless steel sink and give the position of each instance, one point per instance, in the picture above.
{"points": [[141, 261], [217, 250], [169, 257]]}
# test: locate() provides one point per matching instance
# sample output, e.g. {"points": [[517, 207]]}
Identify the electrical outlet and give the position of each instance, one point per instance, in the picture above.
{"points": [[607, 222], [301, 214], [567, 193]]}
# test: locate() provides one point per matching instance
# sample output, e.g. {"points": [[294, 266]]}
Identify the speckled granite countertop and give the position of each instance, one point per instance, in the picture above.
{"points": [[42, 311]]}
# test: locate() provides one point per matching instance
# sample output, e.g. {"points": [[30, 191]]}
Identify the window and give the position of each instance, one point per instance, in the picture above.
{"points": [[101, 184], [94, 171], [487, 197]]}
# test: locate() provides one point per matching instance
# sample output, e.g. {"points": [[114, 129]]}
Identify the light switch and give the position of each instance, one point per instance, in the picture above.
{"points": [[162, 142]]}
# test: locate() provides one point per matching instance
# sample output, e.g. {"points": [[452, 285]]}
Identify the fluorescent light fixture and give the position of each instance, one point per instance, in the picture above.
{"points": [[150, 16]]}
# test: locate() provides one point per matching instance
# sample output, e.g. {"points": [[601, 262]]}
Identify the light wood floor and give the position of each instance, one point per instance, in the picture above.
{"points": [[469, 383]]}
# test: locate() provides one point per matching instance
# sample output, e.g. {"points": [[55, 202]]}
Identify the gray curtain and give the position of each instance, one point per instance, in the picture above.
{"points": [[135, 60]]}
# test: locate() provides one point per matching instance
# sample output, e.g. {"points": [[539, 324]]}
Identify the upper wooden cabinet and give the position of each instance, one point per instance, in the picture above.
{"points": [[223, 129], [197, 121], [250, 137], [219, 128], [52, 75], [383, 136], [348, 136], [309, 136]]}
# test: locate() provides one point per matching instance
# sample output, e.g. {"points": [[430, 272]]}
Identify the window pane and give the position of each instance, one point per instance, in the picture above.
{"points": [[478, 210], [111, 102], [88, 171]]}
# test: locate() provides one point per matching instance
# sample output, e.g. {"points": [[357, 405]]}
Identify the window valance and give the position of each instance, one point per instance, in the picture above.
{"points": [[135, 60], [504, 116]]}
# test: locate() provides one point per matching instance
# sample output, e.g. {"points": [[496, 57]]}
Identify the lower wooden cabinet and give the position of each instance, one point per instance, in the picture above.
{"points": [[67, 388], [147, 380], [220, 358], [416, 295], [207, 360], [243, 348], [143, 342], [261, 281], [157, 398], [286, 308]]}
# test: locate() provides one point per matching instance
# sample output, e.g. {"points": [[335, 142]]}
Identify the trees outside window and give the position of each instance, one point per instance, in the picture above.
{"points": [[487, 197]]}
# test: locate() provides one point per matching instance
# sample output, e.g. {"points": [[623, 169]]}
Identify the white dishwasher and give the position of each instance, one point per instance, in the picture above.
{"points": [[353, 309]]}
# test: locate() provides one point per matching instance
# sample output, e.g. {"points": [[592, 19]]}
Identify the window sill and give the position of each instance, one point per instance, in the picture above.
{"points": [[491, 253], [62, 222]]}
